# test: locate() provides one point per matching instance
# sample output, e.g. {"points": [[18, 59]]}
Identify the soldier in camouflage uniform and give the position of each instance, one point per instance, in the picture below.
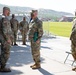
{"points": [[5, 39], [14, 26], [35, 26], [73, 42], [24, 27]]}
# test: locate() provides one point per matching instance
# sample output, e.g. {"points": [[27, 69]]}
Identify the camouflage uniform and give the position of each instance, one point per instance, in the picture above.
{"points": [[14, 26], [5, 35], [73, 40], [24, 29], [35, 26]]}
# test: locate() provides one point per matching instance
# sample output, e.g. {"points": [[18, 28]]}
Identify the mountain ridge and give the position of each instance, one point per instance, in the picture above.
{"points": [[43, 13]]}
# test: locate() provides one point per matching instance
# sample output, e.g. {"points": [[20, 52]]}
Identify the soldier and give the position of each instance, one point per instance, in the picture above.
{"points": [[14, 26], [35, 34], [24, 27], [73, 42], [5, 39]]}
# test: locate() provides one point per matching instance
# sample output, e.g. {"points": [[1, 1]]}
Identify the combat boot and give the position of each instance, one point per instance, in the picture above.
{"points": [[15, 44], [37, 66], [74, 69], [33, 65], [24, 44], [5, 70]]}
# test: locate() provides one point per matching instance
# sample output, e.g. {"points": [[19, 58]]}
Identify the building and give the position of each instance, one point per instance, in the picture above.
{"points": [[66, 18]]}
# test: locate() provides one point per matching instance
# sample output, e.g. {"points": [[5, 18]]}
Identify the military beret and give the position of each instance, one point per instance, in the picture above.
{"points": [[6, 8]]}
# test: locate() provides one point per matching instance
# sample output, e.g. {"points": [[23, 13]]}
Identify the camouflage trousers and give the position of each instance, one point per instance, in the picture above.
{"points": [[35, 49], [15, 36], [24, 36], [73, 49], [5, 52]]}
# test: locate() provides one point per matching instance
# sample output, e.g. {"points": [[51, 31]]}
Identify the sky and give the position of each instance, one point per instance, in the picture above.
{"points": [[58, 5]]}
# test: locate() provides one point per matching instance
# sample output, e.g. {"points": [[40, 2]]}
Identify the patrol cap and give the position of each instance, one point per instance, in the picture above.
{"points": [[6, 8], [34, 11]]}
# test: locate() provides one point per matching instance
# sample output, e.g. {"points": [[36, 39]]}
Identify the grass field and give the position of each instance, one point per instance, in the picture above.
{"points": [[58, 28]]}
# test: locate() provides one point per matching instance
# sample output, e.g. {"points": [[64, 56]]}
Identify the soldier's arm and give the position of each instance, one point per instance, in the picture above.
{"points": [[20, 26], [40, 29], [73, 29], [27, 26], [4, 31], [11, 24], [74, 24]]}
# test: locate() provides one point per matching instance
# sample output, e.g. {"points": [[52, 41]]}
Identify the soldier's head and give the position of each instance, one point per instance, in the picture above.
{"points": [[13, 16], [6, 11], [34, 13], [24, 18]]}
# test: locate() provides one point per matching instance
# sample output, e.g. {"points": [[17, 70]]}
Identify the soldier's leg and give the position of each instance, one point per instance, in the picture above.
{"points": [[32, 45], [15, 37], [73, 49], [23, 38], [12, 40], [5, 52], [36, 54]]}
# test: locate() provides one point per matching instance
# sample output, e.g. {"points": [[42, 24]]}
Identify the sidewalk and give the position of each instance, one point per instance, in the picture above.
{"points": [[52, 55]]}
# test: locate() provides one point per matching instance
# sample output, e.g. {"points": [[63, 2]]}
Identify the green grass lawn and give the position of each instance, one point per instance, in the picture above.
{"points": [[58, 28]]}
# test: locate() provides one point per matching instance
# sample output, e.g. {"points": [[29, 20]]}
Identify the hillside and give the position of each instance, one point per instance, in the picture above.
{"points": [[43, 13]]}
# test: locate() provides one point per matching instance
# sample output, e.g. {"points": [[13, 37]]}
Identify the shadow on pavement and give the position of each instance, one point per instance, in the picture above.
{"points": [[49, 37], [19, 56], [46, 47], [14, 72], [44, 72]]}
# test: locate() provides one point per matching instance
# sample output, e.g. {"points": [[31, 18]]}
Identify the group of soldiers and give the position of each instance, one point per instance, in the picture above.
{"points": [[8, 36], [23, 26]]}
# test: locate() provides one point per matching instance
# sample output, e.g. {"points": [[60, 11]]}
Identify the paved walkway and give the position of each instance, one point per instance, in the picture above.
{"points": [[52, 55]]}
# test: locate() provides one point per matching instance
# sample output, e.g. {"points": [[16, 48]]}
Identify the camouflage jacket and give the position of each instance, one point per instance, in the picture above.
{"points": [[5, 28], [73, 33], [14, 24], [35, 26], [24, 26]]}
